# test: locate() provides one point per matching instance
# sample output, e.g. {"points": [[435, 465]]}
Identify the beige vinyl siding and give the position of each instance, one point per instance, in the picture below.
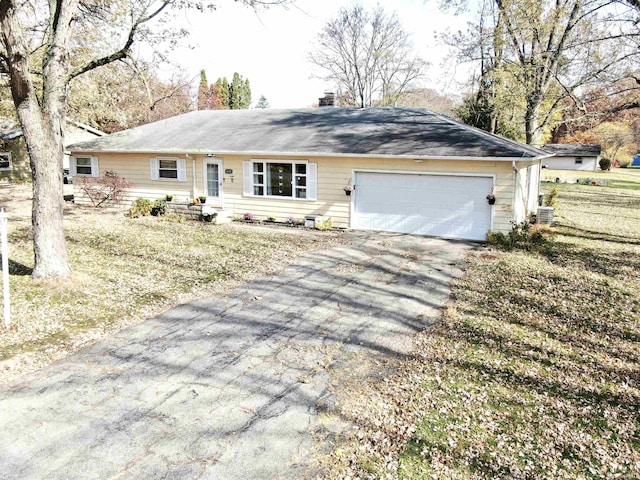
{"points": [[336, 172], [525, 197], [333, 174], [135, 168]]}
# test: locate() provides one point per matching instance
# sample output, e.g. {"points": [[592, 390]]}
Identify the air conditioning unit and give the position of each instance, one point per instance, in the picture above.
{"points": [[545, 215]]}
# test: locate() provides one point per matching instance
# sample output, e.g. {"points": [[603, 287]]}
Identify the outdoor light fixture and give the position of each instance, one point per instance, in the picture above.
{"points": [[209, 155]]}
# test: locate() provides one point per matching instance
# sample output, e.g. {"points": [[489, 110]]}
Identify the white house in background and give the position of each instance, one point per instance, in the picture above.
{"points": [[569, 156]]}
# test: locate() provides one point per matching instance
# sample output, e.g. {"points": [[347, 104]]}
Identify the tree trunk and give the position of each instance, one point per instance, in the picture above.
{"points": [[533, 133], [49, 245], [42, 130]]}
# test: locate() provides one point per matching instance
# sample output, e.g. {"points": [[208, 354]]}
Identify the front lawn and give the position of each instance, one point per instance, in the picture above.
{"points": [[533, 372], [126, 270], [617, 178]]}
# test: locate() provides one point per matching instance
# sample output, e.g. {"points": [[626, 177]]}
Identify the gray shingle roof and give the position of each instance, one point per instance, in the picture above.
{"points": [[573, 149], [319, 131]]}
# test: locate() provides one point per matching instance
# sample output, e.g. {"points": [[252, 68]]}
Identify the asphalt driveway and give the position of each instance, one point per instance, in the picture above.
{"points": [[229, 387]]}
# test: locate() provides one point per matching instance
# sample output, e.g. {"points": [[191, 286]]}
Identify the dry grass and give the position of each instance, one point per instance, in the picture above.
{"points": [[623, 178], [126, 270], [532, 372]]}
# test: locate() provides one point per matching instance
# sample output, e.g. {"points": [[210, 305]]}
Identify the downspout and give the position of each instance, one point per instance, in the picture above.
{"points": [[515, 188], [193, 176]]}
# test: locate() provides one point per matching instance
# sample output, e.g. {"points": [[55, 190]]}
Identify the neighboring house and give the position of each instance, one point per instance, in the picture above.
{"points": [[411, 170], [569, 156], [14, 158]]}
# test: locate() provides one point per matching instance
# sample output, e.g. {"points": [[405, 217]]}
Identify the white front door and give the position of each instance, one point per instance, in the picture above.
{"points": [[213, 182]]}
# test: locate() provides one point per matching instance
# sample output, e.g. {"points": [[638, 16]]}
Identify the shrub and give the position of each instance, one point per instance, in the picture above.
{"points": [[522, 236], [605, 164], [326, 224], [103, 190], [550, 198], [159, 207], [271, 218], [248, 216], [624, 163], [140, 208], [208, 216]]}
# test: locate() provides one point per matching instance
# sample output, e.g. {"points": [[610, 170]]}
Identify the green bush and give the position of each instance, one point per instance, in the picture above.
{"points": [[140, 208], [208, 217], [605, 164], [159, 207]]}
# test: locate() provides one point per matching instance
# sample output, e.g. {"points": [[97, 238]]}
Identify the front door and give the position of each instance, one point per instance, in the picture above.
{"points": [[213, 182]]}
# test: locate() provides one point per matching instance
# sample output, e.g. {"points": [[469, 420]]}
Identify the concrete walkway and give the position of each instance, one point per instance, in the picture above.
{"points": [[227, 387]]}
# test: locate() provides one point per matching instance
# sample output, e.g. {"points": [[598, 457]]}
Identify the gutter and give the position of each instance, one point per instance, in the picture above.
{"points": [[319, 155]]}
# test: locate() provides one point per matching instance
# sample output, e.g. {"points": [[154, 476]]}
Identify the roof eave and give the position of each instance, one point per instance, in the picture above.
{"points": [[257, 153]]}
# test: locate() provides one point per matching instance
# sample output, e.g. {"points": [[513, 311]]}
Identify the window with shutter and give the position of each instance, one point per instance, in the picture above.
{"points": [[168, 168], [83, 166]]}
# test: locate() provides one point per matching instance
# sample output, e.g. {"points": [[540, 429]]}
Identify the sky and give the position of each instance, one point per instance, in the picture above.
{"points": [[270, 48]]}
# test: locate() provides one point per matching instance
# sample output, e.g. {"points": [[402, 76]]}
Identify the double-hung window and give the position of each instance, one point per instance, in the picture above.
{"points": [[168, 168], [83, 166], [277, 178]]}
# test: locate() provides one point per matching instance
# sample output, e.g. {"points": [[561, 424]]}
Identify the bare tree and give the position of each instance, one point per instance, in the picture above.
{"points": [[44, 45], [367, 55], [127, 94], [548, 52], [430, 99]]}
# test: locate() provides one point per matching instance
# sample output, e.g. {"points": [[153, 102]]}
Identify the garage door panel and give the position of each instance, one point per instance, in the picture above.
{"points": [[438, 205]]}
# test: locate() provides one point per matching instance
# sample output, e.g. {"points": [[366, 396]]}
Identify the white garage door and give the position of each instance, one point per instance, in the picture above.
{"points": [[438, 205]]}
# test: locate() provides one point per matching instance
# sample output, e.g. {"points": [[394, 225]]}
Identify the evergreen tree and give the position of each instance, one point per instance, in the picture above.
{"points": [[204, 93], [263, 102], [239, 93], [246, 94], [235, 91], [223, 93]]}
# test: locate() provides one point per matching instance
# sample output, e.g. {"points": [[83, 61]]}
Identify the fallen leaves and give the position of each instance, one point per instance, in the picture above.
{"points": [[532, 372], [126, 270]]}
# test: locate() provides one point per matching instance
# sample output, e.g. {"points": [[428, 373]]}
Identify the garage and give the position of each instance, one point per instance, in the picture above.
{"points": [[450, 206]]}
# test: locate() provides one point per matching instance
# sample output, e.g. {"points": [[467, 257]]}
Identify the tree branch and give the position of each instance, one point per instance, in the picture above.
{"points": [[126, 48]]}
